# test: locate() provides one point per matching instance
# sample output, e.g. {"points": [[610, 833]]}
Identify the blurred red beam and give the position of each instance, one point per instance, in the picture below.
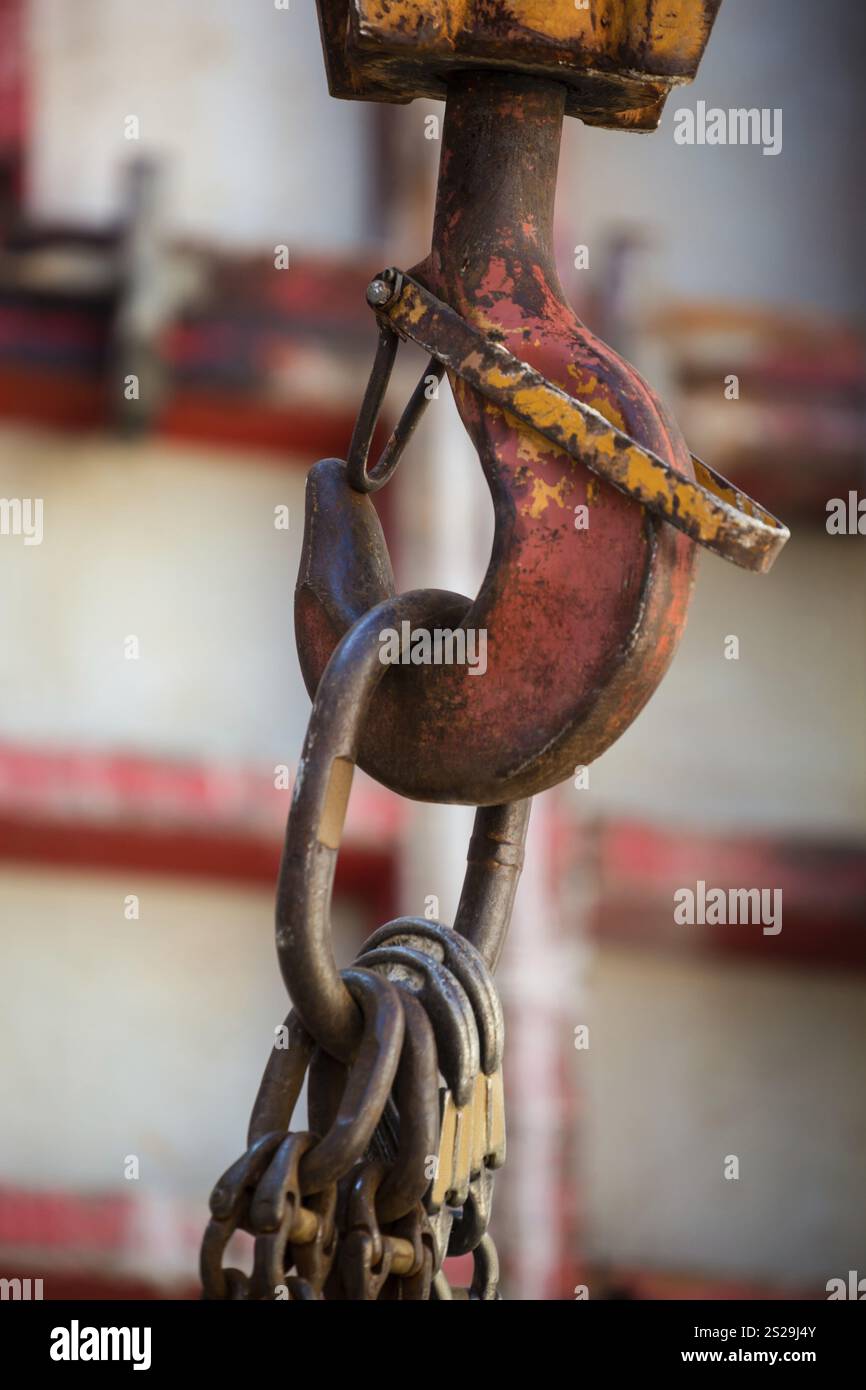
{"points": [[66, 400], [105, 812], [62, 1220], [823, 885]]}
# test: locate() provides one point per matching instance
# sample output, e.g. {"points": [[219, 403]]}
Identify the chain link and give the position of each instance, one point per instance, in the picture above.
{"points": [[395, 1171]]}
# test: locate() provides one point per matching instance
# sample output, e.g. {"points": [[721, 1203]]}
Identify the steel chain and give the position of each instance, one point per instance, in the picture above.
{"points": [[394, 1172]]}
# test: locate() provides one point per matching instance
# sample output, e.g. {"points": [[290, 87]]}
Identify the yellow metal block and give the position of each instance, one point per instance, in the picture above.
{"points": [[462, 1155], [619, 58], [443, 1181], [495, 1154], [469, 1138], [480, 1122]]}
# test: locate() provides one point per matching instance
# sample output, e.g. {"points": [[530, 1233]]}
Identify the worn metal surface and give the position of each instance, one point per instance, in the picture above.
{"points": [[368, 1081], [315, 824], [415, 1099], [710, 510], [463, 961], [618, 59], [581, 625], [447, 1006], [485, 1278], [313, 831], [370, 1257], [283, 1189], [493, 864], [359, 1213], [362, 477], [449, 976]]}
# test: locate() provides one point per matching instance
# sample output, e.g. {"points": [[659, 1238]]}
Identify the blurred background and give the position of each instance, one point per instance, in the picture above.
{"points": [[181, 200]]}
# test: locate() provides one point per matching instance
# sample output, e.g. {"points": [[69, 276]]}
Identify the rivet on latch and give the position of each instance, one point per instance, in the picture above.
{"points": [[384, 288]]}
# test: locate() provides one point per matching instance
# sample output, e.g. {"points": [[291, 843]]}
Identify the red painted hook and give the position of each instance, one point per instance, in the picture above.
{"points": [[580, 623]]}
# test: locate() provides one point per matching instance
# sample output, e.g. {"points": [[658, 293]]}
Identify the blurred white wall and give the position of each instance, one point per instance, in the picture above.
{"points": [[727, 220], [157, 1049], [175, 545], [167, 1069], [142, 1038], [692, 1061], [774, 739], [232, 97]]}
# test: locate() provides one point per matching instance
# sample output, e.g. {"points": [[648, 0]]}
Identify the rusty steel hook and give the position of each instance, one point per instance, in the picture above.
{"points": [[580, 624], [580, 621], [314, 829]]}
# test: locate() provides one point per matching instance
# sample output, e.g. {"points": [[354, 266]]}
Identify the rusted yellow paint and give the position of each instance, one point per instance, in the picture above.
{"points": [[619, 58], [414, 306], [495, 374], [590, 391], [543, 494], [614, 29], [547, 410], [532, 447], [708, 509], [605, 406], [634, 470], [554, 21], [434, 19], [484, 321], [615, 25], [679, 29]]}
